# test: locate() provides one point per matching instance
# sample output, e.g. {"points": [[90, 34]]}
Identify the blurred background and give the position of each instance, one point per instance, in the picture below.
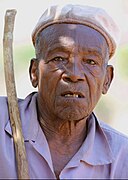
{"points": [[113, 107]]}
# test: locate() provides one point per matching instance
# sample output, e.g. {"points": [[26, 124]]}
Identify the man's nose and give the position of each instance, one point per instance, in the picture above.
{"points": [[73, 72]]}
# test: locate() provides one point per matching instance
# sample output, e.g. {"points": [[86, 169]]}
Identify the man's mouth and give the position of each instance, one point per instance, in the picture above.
{"points": [[72, 94]]}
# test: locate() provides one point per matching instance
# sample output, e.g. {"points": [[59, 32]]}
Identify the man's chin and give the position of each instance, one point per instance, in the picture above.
{"points": [[72, 115]]}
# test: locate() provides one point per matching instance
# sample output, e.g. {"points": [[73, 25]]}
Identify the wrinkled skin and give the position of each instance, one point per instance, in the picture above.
{"points": [[72, 59]]}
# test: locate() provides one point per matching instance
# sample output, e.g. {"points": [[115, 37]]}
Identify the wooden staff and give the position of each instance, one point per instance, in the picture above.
{"points": [[20, 153]]}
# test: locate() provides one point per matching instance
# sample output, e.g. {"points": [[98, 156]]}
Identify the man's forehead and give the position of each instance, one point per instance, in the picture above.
{"points": [[73, 37], [70, 34]]}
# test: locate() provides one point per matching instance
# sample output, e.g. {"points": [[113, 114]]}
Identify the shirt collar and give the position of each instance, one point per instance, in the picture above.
{"points": [[96, 149]]}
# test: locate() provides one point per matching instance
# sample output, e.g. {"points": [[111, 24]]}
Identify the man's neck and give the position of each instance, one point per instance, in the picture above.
{"points": [[64, 132], [64, 140]]}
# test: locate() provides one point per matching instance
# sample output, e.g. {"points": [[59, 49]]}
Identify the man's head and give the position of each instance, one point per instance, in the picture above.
{"points": [[72, 69]]}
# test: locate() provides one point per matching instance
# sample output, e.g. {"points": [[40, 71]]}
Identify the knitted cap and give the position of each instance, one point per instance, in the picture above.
{"points": [[93, 17]]}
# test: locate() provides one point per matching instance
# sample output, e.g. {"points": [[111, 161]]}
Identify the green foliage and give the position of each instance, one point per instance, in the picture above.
{"points": [[23, 55], [122, 61], [105, 109]]}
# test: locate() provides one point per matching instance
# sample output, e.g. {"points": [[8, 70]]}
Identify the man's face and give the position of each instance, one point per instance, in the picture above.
{"points": [[72, 71]]}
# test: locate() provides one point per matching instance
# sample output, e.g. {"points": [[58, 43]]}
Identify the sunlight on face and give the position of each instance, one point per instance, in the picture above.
{"points": [[66, 41]]}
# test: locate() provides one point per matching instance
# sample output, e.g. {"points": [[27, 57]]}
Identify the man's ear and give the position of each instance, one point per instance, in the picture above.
{"points": [[33, 72], [108, 78]]}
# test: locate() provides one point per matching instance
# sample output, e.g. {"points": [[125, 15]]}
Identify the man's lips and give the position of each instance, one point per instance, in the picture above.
{"points": [[70, 94]]}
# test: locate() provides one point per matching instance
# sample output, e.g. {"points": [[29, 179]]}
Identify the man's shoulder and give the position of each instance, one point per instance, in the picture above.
{"points": [[4, 112], [110, 130], [3, 99], [4, 115], [116, 139], [3, 104]]}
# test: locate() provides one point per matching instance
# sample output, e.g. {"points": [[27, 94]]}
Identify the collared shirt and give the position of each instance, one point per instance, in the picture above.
{"points": [[104, 153]]}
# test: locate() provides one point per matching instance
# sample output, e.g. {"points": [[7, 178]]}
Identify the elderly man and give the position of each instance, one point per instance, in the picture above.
{"points": [[63, 137]]}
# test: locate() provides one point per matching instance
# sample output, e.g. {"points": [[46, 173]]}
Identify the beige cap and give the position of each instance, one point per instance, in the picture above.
{"points": [[93, 17]]}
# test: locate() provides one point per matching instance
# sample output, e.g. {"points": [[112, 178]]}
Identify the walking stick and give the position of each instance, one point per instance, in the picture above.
{"points": [[20, 153]]}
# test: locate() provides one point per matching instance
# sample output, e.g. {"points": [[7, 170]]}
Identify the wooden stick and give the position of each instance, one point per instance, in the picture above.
{"points": [[20, 153]]}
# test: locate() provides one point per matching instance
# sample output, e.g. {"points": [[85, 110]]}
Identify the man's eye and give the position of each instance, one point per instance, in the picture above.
{"points": [[58, 59], [90, 61]]}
